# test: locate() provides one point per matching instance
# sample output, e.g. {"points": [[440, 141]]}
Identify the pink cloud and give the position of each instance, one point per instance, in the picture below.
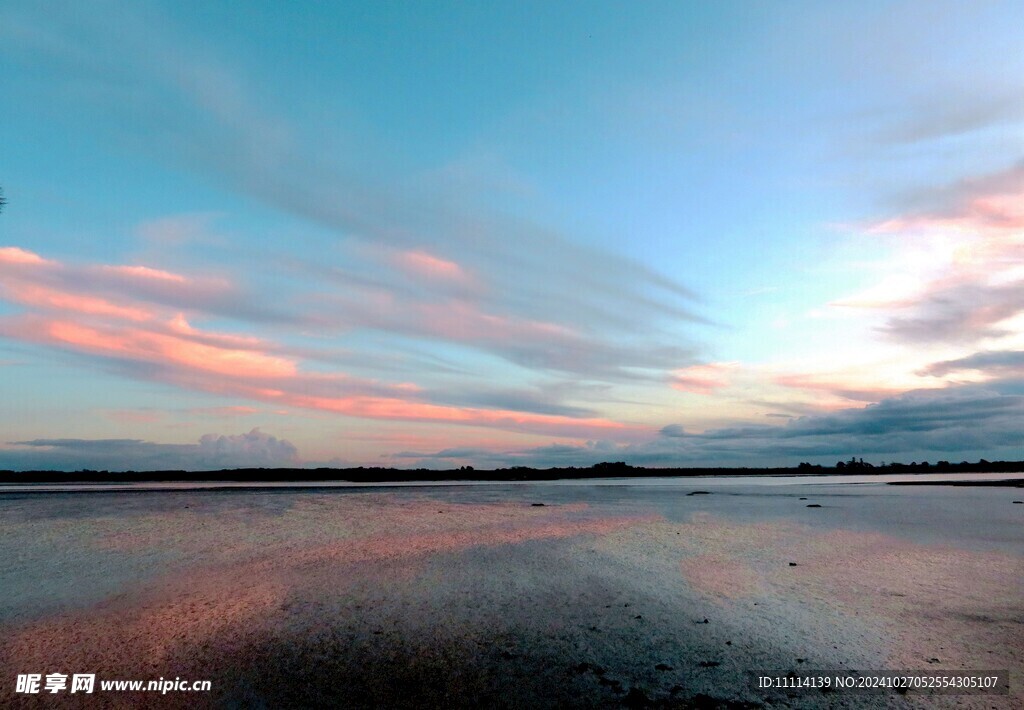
{"points": [[51, 299], [128, 291], [990, 212], [421, 263], [462, 321], [703, 379], [144, 272], [852, 388], [14, 255], [395, 408], [141, 344], [264, 377], [228, 411], [956, 273], [119, 327]]}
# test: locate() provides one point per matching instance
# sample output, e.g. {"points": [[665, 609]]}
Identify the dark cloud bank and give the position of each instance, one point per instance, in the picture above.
{"points": [[254, 449], [954, 423]]}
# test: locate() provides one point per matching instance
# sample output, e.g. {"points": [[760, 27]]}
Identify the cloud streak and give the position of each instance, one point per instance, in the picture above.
{"points": [[138, 336]]}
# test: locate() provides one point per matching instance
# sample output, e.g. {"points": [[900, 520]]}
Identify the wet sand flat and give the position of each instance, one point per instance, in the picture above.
{"points": [[468, 596]]}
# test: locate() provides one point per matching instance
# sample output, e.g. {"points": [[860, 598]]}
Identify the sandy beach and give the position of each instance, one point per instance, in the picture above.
{"points": [[542, 595]]}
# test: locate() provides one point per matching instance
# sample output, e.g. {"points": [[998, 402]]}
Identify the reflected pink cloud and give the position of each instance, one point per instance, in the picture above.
{"points": [[721, 577], [244, 587]]}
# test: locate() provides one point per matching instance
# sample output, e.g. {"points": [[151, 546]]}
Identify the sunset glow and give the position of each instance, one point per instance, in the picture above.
{"points": [[595, 237]]}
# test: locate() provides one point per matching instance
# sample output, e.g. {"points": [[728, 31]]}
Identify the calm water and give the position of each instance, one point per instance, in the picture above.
{"points": [[65, 547]]}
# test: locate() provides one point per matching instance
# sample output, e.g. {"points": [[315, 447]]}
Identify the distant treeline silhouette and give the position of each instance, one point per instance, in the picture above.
{"points": [[606, 469]]}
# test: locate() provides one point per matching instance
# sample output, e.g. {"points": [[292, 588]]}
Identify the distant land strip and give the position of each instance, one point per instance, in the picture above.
{"points": [[1002, 483], [515, 473]]}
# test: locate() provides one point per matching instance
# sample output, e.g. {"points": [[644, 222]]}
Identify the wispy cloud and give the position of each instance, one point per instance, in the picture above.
{"points": [[992, 363], [955, 113], [132, 330], [702, 379], [958, 273], [416, 257], [121, 290]]}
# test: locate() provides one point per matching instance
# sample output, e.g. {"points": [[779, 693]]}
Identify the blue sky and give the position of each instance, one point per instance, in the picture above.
{"points": [[496, 233]]}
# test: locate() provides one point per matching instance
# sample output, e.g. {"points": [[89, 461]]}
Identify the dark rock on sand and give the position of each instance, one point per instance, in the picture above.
{"points": [[702, 701], [792, 564], [636, 698], [590, 667], [536, 505]]}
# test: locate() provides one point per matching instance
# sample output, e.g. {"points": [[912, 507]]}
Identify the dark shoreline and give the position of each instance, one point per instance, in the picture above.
{"points": [[1005, 483], [518, 473]]}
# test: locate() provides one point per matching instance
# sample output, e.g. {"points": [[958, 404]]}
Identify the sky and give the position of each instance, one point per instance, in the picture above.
{"points": [[510, 233]]}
